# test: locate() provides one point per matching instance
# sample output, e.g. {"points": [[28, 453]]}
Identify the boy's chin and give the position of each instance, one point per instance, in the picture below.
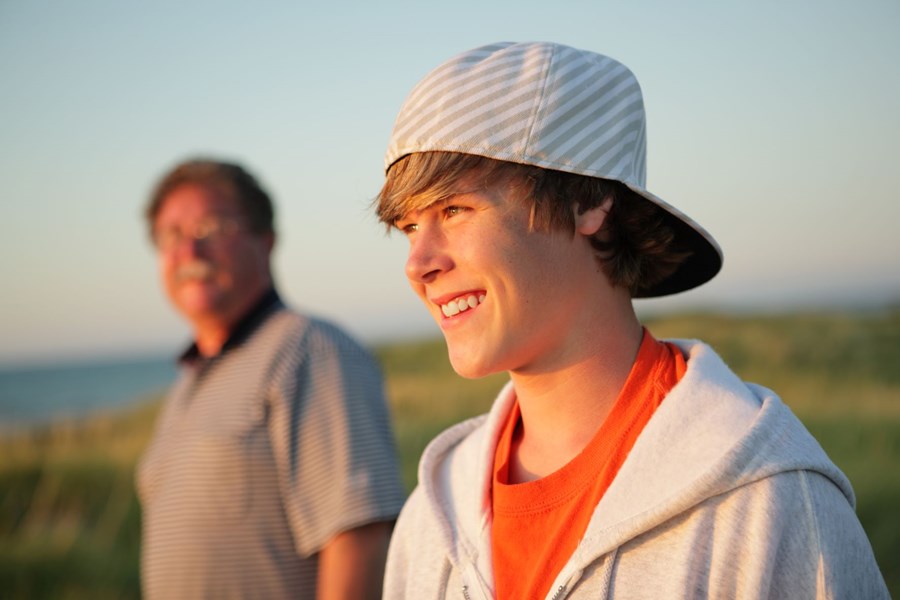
{"points": [[468, 368]]}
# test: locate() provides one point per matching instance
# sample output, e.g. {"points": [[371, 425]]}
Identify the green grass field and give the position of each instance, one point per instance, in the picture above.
{"points": [[70, 522]]}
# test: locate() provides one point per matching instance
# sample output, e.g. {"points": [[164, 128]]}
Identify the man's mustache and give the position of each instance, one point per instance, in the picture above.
{"points": [[196, 269]]}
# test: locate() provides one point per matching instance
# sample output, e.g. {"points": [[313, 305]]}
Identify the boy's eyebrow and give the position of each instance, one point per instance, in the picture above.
{"points": [[454, 195], [406, 216], [437, 202]]}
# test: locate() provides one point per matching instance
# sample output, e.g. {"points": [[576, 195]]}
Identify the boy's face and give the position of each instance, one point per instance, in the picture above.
{"points": [[506, 298]]}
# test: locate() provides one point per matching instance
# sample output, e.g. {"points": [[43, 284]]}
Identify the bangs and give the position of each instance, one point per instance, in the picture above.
{"points": [[637, 247], [422, 179]]}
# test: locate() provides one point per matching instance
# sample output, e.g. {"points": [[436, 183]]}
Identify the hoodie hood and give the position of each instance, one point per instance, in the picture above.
{"points": [[711, 434]]}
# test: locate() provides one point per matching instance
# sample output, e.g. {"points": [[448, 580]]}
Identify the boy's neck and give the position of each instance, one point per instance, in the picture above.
{"points": [[562, 409]]}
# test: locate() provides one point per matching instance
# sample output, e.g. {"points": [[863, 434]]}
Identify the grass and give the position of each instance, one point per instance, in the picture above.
{"points": [[69, 516], [70, 522]]}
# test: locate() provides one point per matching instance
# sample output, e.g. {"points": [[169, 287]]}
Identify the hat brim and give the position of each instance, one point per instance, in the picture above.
{"points": [[704, 262]]}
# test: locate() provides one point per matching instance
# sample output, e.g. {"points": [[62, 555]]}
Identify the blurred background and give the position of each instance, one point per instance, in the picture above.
{"points": [[773, 124]]}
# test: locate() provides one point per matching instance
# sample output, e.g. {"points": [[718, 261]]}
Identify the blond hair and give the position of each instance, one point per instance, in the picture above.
{"points": [[636, 247]]}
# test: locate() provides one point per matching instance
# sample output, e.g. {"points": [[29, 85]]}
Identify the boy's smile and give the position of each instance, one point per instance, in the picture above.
{"points": [[460, 303]]}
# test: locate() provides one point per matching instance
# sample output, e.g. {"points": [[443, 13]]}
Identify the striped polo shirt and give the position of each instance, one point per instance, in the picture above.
{"points": [[260, 456]]}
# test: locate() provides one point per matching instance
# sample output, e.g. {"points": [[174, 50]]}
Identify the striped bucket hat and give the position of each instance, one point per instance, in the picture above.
{"points": [[549, 106]]}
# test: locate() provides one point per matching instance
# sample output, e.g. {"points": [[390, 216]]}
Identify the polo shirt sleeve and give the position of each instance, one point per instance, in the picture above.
{"points": [[332, 440]]}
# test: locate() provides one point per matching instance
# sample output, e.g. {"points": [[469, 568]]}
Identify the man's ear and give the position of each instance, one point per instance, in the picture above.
{"points": [[591, 221], [268, 241]]}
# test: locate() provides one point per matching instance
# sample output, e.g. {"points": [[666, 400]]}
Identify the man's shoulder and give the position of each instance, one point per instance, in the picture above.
{"points": [[305, 329]]}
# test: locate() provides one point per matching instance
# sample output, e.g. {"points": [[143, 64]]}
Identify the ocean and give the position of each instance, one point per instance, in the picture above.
{"points": [[40, 394]]}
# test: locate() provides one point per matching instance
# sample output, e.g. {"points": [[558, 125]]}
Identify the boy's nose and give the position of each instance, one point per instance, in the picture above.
{"points": [[428, 256]]}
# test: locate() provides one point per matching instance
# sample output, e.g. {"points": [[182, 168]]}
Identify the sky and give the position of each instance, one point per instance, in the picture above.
{"points": [[773, 124]]}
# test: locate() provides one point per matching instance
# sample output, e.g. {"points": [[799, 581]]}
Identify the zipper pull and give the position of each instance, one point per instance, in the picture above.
{"points": [[560, 593]]}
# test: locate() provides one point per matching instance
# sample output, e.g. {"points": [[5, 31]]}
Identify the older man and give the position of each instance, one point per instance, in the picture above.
{"points": [[272, 471]]}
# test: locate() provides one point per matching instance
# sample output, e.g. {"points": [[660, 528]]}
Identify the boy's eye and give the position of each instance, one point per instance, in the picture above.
{"points": [[408, 228], [453, 210]]}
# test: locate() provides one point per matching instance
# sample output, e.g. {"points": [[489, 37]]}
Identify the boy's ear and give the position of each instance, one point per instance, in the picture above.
{"points": [[591, 221]]}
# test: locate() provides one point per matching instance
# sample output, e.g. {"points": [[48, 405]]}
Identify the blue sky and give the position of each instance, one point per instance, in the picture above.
{"points": [[773, 124]]}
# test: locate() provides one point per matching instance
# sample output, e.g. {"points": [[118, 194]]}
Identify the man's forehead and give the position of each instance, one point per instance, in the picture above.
{"points": [[193, 200]]}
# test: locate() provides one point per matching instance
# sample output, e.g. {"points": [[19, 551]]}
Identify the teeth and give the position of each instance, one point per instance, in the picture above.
{"points": [[458, 305]]}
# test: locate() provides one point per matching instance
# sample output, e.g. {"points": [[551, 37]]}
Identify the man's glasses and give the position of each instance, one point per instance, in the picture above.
{"points": [[209, 231]]}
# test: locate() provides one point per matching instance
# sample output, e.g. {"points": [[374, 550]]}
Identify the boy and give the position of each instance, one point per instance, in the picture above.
{"points": [[612, 464]]}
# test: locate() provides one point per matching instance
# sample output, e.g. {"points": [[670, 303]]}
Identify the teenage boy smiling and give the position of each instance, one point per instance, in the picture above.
{"points": [[612, 464], [478, 246]]}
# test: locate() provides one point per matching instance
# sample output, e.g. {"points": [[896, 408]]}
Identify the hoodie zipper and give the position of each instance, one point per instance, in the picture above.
{"points": [[473, 587]]}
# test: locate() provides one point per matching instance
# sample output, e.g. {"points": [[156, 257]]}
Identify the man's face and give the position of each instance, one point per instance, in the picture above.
{"points": [[506, 298], [212, 266]]}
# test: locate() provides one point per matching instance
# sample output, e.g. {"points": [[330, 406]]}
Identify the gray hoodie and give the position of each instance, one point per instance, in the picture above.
{"points": [[724, 495]]}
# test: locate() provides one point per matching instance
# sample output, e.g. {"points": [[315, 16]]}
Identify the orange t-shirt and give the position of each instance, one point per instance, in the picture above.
{"points": [[538, 524]]}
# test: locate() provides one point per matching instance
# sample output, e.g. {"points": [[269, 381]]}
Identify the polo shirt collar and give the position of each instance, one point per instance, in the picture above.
{"points": [[242, 330]]}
